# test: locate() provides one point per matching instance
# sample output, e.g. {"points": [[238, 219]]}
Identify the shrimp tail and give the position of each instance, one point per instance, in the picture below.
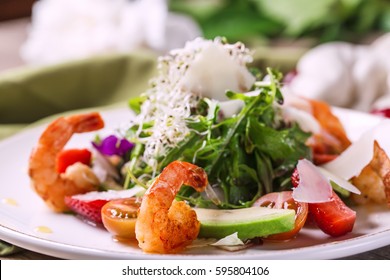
{"points": [[89, 122], [51, 186]]}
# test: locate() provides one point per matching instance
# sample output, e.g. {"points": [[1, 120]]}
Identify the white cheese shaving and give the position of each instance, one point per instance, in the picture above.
{"points": [[352, 161], [313, 186], [214, 70], [110, 194]]}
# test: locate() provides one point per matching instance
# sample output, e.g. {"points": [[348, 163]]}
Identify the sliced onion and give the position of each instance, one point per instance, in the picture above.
{"points": [[305, 120], [299, 110], [352, 161], [233, 107], [102, 167], [109, 195], [214, 194], [236, 248], [339, 181], [294, 101], [313, 187], [202, 242], [230, 240]]}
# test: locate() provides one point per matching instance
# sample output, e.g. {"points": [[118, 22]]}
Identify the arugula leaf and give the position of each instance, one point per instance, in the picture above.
{"points": [[277, 144], [245, 155], [136, 103]]}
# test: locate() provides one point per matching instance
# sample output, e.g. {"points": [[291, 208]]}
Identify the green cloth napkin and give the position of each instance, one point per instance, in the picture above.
{"points": [[30, 94], [8, 249]]}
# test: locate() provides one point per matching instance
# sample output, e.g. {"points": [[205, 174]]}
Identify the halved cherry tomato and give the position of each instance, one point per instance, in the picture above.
{"points": [[295, 178], [333, 217], [68, 157], [284, 200], [119, 216]]}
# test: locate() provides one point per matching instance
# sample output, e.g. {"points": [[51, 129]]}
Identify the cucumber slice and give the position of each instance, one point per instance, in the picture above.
{"points": [[247, 222]]}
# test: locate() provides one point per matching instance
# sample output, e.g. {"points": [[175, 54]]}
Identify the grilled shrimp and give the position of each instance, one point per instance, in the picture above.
{"points": [[332, 140], [51, 186], [374, 180], [163, 224]]}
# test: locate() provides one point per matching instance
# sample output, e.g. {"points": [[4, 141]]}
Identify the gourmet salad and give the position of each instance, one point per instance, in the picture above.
{"points": [[216, 150]]}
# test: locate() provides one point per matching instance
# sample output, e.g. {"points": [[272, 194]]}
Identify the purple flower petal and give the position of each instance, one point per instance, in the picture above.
{"points": [[125, 146], [112, 145], [107, 146]]}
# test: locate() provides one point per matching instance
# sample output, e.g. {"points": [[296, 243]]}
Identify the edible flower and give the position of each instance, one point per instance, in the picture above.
{"points": [[112, 145]]}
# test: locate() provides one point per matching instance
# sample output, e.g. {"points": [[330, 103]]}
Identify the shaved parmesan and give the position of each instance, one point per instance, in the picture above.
{"points": [[200, 77], [339, 181], [313, 187], [352, 161]]}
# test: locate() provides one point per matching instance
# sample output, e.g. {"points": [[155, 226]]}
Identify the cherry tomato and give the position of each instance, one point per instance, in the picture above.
{"points": [[333, 217], [119, 216], [68, 157], [295, 178], [284, 200]]}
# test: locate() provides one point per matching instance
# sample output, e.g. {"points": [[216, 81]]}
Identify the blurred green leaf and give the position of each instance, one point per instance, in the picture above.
{"points": [[350, 5], [261, 20], [297, 15], [385, 20], [367, 16], [201, 10], [237, 26]]}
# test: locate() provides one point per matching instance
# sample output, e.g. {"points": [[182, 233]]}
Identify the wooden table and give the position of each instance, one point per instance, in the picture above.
{"points": [[378, 254]]}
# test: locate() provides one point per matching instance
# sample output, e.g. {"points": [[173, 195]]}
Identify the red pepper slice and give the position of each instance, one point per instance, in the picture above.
{"points": [[70, 156]]}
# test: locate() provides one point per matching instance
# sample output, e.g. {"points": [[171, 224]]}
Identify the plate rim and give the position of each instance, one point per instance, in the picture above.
{"points": [[68, 251]]}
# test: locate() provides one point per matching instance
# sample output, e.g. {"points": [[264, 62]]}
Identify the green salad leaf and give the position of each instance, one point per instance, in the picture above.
{"points": [[245, 155]]}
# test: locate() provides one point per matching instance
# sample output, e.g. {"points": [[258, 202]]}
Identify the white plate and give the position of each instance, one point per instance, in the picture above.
{"points": [[70, 238]]}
